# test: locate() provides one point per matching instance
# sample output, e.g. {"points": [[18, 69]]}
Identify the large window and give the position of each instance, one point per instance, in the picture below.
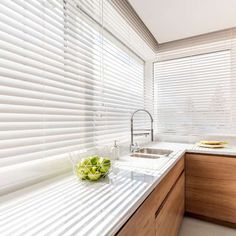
{"points": [[66, 83], [195, 95]]}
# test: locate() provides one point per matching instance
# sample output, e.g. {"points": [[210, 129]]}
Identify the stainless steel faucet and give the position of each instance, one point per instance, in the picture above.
{"points": [[132, 146]]}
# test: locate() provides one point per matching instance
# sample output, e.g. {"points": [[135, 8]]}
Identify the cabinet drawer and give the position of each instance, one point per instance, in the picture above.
{"points": [[209, 166]]}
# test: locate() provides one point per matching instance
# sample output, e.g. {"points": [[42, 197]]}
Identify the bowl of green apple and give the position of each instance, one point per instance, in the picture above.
{"points": [[92, 168]]}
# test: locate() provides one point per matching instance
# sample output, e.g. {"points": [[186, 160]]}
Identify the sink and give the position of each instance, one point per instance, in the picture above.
{"points": [[151, 153], [154, 151]]}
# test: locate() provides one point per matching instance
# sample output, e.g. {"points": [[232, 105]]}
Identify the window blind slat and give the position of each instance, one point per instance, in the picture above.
{"points": [[66, 83], [194, 91]]}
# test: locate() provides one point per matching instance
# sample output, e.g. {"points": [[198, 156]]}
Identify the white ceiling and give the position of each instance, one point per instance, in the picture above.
{"points": [[170, 20]]}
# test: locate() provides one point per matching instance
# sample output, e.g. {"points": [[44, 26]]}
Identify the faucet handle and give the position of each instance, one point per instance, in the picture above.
{"points": [[132, 147], [136, 147]]}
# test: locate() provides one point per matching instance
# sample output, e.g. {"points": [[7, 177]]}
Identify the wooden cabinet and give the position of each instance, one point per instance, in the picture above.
{"points": [[169, 216], [209, 193], [143, 222], [211, 187]]}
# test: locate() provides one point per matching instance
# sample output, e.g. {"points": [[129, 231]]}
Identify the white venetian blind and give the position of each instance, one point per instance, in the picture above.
{"points": [[113, 21], [195, 94], [66, 84], [122, 92], [118, 26], [32, 77]]}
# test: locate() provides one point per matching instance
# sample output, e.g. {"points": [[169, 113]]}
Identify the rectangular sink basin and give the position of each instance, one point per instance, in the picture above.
{"points": [[151, 153]]}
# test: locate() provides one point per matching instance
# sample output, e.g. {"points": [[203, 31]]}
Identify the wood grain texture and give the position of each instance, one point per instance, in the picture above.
{"points": [[211, 186], [169, 218], [143, 220]]}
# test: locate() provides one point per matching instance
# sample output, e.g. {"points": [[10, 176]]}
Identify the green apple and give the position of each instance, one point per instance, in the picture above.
{"points": [[94, 160], [82, 172], [94, 176], [104, 165]]}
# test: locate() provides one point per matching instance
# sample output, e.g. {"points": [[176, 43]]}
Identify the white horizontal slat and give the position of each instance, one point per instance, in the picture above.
{"points": [[195, 95], [66, 83], [15, 25]]}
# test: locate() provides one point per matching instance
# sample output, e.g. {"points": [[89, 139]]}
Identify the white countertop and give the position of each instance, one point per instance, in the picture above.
{"points": [[228, 150], [67, 206]]}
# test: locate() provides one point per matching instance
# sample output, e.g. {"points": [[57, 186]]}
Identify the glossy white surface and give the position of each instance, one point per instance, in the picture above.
{"points": [[227, 150], [70, 207], [66, 206]]}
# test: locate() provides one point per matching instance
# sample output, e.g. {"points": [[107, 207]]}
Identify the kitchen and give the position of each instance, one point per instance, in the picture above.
{"points": [[117, 117]]}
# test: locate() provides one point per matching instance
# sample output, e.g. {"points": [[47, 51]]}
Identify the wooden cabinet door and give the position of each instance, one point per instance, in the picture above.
{"points": [[142, 223], [211, 187], [169, 216]]}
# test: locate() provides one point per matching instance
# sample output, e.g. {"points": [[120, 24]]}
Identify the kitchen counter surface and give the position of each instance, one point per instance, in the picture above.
{"points": [[67, 206], [228, 150]]}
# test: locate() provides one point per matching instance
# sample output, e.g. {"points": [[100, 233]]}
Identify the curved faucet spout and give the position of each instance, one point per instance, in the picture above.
{"points": [[132, 127], [132, 117]]}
